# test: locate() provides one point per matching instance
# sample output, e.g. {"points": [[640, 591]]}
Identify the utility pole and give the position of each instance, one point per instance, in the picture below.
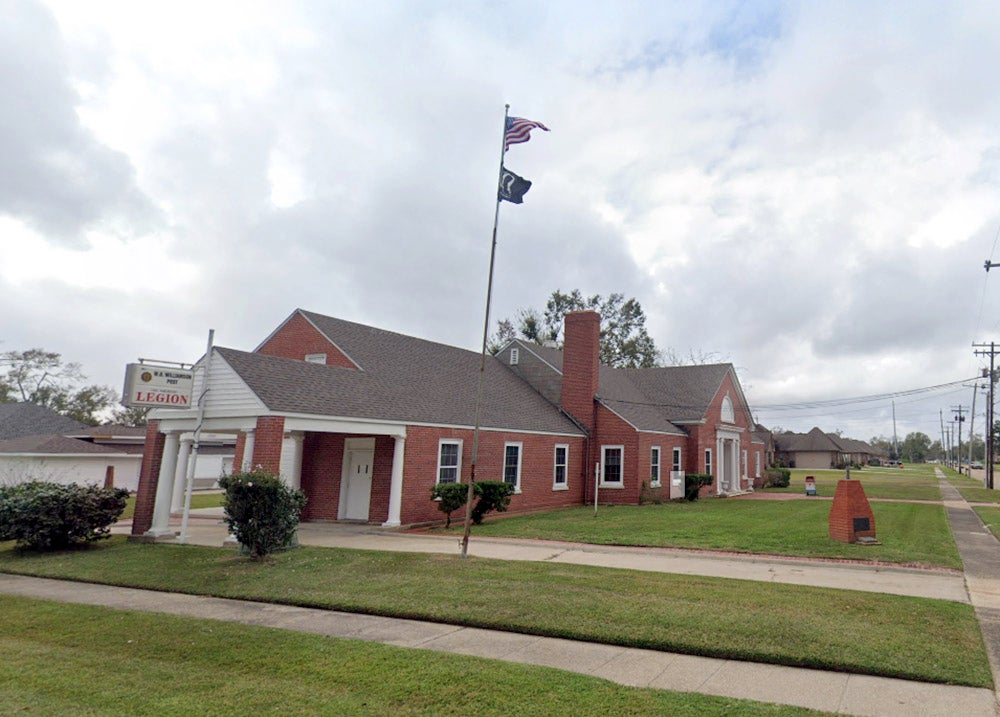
{"points": [[992, 376], [944, 449], [895, 442], [959, 409]]}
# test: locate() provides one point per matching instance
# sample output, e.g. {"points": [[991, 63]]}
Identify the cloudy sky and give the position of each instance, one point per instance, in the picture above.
{"points": [[808, 190]]}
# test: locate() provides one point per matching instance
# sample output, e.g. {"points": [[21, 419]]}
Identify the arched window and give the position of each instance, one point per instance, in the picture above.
{"points": [[728, 415]]}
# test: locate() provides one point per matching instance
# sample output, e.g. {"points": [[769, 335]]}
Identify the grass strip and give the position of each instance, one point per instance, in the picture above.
{"points": [[979, 494], [910, 533], [991, 517], [850, 631], [82, 660]]}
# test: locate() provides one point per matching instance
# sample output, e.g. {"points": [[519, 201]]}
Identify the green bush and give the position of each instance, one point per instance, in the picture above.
{"points": [[50, 516], [261, 511], [775, 477], [493, 495], [693, 483], [452, 497]]}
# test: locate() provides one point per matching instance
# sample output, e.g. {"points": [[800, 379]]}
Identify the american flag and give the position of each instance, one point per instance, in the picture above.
{"points": [[519, 130]]}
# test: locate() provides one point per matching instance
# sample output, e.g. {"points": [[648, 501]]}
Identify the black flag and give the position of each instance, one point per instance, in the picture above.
{"points": [[513, 187]]}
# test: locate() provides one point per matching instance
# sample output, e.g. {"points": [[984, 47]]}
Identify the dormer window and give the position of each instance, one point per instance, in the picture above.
{"points": [[515, 354], [316, 358]]}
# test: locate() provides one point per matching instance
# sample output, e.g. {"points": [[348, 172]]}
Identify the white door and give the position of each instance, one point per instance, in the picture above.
{"points": [[358, 484]]}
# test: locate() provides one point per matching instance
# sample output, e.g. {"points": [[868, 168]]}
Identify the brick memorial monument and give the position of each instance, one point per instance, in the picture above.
{"points": [[851, 518]]}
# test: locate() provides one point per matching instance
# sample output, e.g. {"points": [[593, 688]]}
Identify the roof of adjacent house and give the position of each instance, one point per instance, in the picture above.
{"points": [[818, 441], [400, 378], [651, 399], [55, 444], [26, 419]]}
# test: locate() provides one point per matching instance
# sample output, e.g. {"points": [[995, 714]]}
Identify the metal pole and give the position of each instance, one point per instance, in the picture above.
{"points": [[193, 457], [482, 358]]}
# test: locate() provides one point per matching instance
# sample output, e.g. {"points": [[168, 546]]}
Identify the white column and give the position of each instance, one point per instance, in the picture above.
{"points": [[295, 469], [180, 475], [165, 488], [396, 486], [248, 450]]}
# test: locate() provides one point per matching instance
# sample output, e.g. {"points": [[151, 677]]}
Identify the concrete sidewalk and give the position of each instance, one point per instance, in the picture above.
{"points": [[828, 691]]}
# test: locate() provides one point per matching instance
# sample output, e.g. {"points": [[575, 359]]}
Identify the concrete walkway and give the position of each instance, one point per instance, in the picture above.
{"points": [[980, 552]]}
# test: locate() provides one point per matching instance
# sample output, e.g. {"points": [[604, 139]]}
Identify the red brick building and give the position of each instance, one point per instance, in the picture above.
{"points": [[366, 421]]}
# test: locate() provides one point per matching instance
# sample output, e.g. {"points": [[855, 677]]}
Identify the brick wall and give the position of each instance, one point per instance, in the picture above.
{"points": [[149, 475], [267, 443], [297, 337], [537, 462], [581, 365], [322, 468]]}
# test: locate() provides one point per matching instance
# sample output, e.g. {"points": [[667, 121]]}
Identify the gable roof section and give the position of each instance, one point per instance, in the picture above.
{"points": [[26, 419], [404, 379], [814, 441]]}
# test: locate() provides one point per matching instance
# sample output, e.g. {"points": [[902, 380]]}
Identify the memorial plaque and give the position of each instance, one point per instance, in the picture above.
{"points": [[861, 524]]}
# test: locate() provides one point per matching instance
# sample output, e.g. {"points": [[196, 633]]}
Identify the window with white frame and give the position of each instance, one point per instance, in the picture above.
{"points": [[756, 457], [708, 461], [449, 462], [654, 466], [560, 467], [677, 459], [512, 464], [515, 355], [612, 466]]}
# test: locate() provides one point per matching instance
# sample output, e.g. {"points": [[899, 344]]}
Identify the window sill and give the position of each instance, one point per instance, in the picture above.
{"points": [[560, 486], [613, 486], [657, 484]]}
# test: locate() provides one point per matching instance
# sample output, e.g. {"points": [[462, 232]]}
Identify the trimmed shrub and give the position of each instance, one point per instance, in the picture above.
{"points": [[693, 483], [493, 495], [777, 477], [452, 496], [50, 516], [261, 511]]}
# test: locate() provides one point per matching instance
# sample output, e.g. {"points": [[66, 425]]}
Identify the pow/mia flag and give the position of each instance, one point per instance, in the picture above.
{"points": [[513, 187]]}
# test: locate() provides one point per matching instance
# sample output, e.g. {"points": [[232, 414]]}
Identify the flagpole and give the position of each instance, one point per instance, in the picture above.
{"points": [[482, 357]]}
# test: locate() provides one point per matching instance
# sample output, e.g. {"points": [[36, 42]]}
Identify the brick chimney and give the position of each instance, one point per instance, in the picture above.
{"points": [[581, 365]]}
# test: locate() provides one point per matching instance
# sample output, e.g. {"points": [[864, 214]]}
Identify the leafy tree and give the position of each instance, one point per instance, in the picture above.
{"points": [[130, 415], [42, 377], [915, 447], [625, 343]]}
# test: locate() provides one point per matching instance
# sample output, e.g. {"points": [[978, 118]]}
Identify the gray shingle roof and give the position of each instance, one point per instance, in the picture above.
{"points": [[651, 399], [26, 419], [402, 378], [54, 444]]}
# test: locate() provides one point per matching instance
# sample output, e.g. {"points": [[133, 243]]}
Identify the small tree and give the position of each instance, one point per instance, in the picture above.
{"points": [[451, 497], [693, 483], [493, 495], [261, 511]]}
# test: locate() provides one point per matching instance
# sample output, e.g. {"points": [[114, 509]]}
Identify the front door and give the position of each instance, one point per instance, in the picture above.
{"points": [[357, 484]]}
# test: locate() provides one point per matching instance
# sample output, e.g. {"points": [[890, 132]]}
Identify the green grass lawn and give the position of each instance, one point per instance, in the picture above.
{"points": [[198, 500], [990, 516], [980, 495], [80, 660], [910, 483], [868, 633], [911, 533]]}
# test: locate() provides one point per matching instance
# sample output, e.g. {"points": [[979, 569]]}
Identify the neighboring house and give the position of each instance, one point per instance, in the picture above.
{"points": [[367, 421], [71, 452], [816, 450]]}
